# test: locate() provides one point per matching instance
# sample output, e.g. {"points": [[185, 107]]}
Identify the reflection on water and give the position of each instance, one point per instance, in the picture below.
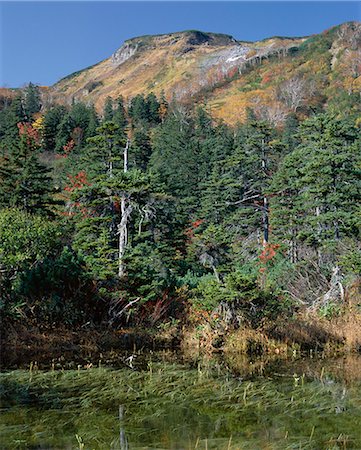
{"points": [[235, 403]]}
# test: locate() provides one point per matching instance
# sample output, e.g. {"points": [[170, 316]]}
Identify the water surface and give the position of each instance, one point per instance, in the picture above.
{"points": [[160, 403]]}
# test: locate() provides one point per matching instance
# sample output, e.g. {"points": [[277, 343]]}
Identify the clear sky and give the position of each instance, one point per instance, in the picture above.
{"points": [[44, 41]]}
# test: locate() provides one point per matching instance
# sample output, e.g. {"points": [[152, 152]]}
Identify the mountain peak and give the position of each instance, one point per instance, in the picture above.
{"points": [[186, 41]]}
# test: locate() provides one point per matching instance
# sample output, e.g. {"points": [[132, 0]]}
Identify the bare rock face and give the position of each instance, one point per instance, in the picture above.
{"points": [[125, 52]]}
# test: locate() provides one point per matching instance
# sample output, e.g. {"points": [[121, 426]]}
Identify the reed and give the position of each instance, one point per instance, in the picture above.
{"points": [[169, 405]]}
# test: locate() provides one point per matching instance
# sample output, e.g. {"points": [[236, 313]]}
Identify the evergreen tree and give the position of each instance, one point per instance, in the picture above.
{"points": [[9, 119], [32, 100], [93, 123], [251, 165], [108, 112], [175, 160], [153, 106], [52, 119], [138, 109], [64, 132], [24, 182], [141, 149], [290, 132], [120, 117], [318, 185]]}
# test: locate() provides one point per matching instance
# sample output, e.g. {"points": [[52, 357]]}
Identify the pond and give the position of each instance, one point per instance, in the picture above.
{"points": [[157, 401]]}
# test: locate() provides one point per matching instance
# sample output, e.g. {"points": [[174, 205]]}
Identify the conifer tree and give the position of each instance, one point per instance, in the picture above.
{"points": [[64, 131], [108, 112], [107, 197], [120, 117], [52, 119], [24, 182], [9, 119], [32, 100], [317, 187]]}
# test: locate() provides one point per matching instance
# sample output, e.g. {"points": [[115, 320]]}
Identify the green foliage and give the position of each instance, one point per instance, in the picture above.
{"points": [[330, 310], [225, 216], [52, 120], [145, 109], [24, 181], [32, 100], [241, 292], [317, 196], [108, 112], [119, 116], [351, 261], [26, 241], [59, 290]]}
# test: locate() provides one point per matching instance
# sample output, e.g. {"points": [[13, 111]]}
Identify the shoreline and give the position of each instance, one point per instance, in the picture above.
{"points": [[23, 345]]}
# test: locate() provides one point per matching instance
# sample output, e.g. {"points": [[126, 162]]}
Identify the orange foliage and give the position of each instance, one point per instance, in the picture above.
{"points": [[193, 226], [267, 78], [32, 135], [77, 182]]}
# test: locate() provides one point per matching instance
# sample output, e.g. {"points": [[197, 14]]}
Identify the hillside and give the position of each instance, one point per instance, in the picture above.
{"points": [[150, 215], [273, 76]]}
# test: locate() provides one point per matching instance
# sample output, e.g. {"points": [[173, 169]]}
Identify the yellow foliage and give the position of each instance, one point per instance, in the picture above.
{"points": [[38, 124]]}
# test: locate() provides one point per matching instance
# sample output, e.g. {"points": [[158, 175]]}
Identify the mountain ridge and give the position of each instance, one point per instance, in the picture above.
{"points": [[224, 74]]}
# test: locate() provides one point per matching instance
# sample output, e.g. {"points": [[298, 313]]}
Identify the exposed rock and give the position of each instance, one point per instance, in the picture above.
{"points": [[126, 51]]}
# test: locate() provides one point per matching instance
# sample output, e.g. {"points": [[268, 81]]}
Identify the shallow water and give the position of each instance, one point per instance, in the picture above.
{"points": [[160, 403]]}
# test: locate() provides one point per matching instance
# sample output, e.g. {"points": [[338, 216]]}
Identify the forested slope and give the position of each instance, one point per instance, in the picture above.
{"points": [[153, 211]]}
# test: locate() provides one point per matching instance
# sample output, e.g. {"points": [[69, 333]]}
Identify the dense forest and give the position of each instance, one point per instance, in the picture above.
{"points": [[152, 213]]}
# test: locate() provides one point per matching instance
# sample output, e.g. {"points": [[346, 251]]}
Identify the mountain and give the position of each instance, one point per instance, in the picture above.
{"points": [[273, 76]]}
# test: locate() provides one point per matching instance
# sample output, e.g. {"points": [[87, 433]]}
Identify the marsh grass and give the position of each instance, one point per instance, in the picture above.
{"points": [[171, 406]]}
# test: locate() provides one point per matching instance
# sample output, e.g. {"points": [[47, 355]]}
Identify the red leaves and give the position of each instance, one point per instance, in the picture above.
{"points": [[77, 182], [117, 205], [269, 252], [27, 130], [267, 78], [193, 226], [67, 149]]}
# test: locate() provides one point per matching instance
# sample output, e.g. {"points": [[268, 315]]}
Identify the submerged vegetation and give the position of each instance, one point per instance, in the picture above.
{"points": [[167, 405]]}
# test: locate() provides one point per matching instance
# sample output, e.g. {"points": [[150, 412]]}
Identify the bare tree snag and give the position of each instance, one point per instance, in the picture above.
{"points": [[125, 211]]}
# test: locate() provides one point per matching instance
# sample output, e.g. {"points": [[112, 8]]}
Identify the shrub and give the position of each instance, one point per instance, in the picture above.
{"points": [[239, 296]]}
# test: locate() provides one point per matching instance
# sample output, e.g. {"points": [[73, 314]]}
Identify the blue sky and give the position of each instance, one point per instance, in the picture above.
{"points": [[44, 41]]}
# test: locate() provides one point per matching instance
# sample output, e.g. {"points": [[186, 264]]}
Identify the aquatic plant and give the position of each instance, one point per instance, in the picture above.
{"points": [[169, 405]]}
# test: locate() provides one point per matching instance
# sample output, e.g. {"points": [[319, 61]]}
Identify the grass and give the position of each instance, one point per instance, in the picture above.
{"points": [[170, 405]]}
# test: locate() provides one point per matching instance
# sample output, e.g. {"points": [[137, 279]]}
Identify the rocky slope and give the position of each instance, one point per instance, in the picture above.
{"points": [[273, 76]]}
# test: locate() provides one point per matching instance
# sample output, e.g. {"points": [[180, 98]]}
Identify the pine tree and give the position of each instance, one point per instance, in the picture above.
{"points": [[93, 123], [175, 161], [317, 187], [24, 182], [52, 119], [152, 108], [9, 119], [108, 112], [141, 149], [252, 165], [106, 199], [64, 132], [120, 117], [138, 109], [32, 100]]}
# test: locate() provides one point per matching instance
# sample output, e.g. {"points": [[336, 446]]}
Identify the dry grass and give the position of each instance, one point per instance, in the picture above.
{"points": [[165, 67], [306, 331]]}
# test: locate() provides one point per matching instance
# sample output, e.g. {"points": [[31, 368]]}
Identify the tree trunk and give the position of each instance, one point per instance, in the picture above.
{"points": [[265, 208], [123, 235], [294, 247], [265, 221], [125, 212]]}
